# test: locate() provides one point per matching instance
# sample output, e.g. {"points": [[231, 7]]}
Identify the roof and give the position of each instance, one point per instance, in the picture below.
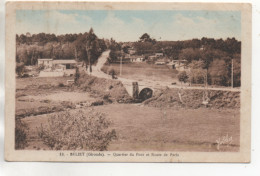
{"points": [[64, 62], [46, 59], [179, 60], [158, 53]]}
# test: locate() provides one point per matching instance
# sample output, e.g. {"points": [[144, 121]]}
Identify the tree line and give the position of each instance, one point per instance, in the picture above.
{"points": [[210, 60], [85, 47]]}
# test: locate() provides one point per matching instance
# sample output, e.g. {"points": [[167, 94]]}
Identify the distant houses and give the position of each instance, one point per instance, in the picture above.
{"points": [[55, 68], [137, 58], [180, 65], [131, 51], [156, 58], [48, 63]]}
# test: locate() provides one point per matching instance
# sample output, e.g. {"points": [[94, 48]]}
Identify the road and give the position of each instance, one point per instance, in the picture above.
{"points": [[96, 71]]}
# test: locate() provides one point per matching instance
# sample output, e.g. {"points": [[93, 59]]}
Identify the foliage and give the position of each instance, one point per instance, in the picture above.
{"points": [[218, 72], [190, 54], [80, 130], [21, 130], [77, 75], [146, 38], [69, 46], [183, 77], [111, 71], [237, 71], [197, 73], [20, 69]]}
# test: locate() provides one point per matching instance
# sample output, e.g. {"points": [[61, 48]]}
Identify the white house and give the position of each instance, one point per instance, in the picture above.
{"points": [[180, 65], [46, 62], [137, 59], [56, 68], [158, 54], [50, 63]]}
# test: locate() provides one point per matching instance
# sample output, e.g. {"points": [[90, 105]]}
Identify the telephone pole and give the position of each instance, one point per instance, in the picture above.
{"points": [[232, 75], [121, 66]]}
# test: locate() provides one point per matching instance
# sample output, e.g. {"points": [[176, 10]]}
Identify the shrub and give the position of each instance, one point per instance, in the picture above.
{"points": [[183, 77], [111, 71], [20, 69], [80, 130], [61, 85], [40, 68], [20, 134]]}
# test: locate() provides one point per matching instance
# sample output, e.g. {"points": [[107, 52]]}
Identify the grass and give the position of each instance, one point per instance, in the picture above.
{"points": [[141, 71], [137, 127], [155, 129]]}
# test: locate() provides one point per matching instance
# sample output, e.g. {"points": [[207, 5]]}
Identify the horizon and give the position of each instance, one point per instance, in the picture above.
{"points": [[129, 25]]}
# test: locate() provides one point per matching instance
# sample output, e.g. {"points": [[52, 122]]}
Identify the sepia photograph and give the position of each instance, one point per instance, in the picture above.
{"points": [[97, 80]]}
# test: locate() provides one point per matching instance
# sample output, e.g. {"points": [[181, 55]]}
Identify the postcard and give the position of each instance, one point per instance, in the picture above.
{"points": [[128, 82]]}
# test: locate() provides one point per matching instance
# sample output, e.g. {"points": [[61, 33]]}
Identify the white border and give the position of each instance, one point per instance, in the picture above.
{"points": [[39, 168]]}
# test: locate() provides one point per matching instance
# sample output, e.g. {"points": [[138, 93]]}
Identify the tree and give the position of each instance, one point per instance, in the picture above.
{"points": [[146, 38], [190, 54], [77, 75], [91, 47], [218, 72], [183, 77], [197, 74]]}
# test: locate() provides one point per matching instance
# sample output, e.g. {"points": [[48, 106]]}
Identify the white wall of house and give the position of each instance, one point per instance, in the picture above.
{"points": [[46, 62]]}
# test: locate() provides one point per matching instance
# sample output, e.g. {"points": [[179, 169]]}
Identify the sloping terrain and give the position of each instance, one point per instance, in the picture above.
{"points": [[187, 98]]}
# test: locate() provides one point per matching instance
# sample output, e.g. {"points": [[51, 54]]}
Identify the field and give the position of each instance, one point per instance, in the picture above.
{"points": [[143, 71], [144, 128], [138, 127]]}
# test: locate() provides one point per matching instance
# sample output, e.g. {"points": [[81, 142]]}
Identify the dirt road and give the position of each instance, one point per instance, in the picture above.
{"points": [[96, 71]]}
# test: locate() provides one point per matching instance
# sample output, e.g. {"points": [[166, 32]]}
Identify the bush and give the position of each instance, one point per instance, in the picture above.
{"points": [[183, 77], [111, 71], [61, 85], [20, 134], [80, 130], [20, 69]]}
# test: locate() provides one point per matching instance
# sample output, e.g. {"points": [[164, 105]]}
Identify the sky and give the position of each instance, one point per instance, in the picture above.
{"points": [[129, 25]]}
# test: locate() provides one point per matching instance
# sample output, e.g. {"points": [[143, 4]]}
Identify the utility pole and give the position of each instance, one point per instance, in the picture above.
{"points": [[206, 79], [232, 75], [121, 65]]}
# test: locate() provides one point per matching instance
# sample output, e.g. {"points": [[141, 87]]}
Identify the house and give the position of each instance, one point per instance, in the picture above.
{"points": [[56, 68], [180, 65], [68, 64], [137, 59], [162, 61], [51, 63], [158, 54], [152, 59], [46, 62], [131, 51]]}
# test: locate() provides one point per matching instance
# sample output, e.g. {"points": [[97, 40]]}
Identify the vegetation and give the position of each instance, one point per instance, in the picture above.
{"points": [[67, 131], [112, 72], [77, 75], [83, 47], [183, 77], [20, 69], [216, 56], [20, 134]]}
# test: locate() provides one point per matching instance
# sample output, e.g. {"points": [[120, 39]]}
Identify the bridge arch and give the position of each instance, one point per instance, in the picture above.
{"points": [[145, 93]]}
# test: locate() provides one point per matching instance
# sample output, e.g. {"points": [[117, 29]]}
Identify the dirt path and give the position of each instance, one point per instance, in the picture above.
{"points": [[96, 71]]}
